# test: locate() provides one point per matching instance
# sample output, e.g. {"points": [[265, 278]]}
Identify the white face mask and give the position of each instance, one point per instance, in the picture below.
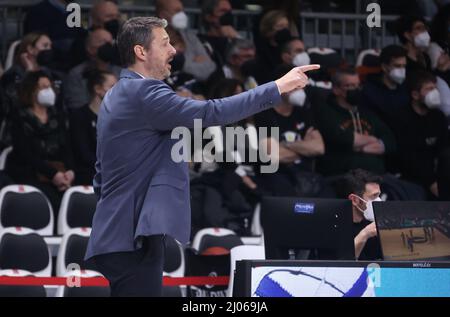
{"points": [[297, 98], [433, 99], [422, 40], [398, 75], [46, 97], [368, 212], [180, 20], [301, 59]]}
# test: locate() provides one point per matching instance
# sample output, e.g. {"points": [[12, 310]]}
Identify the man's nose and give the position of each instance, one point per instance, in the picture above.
{"points": [[173, 50]]}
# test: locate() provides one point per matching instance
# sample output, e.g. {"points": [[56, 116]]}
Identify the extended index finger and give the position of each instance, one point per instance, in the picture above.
{"points": [[307, 68]]}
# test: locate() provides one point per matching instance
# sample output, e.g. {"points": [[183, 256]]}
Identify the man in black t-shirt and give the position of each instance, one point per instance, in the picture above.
{"points": [[362, 188], [299, 143], [421, 131]]}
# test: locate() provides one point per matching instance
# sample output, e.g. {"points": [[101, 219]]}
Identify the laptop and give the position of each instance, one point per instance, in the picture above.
{"points": [[413, 230]]}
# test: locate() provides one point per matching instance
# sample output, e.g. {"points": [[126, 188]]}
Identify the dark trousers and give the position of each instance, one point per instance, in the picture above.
{"points": [[136, 273]]}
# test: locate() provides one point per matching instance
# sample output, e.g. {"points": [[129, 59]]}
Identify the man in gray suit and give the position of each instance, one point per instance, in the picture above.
{"points": [[143, 194]]}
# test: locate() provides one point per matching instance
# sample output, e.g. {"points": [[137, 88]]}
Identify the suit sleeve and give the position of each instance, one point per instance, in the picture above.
{"points": [[97, 181], [166, 110]]}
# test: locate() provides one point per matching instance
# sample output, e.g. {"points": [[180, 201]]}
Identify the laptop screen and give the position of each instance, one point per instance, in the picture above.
{"points": [[413, 230]]}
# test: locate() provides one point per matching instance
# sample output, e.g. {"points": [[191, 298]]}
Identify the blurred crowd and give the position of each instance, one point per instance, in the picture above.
{"points": [[390, 115]]}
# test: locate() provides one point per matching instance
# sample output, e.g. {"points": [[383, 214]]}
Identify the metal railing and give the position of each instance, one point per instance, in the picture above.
{"points": [[346, 33]]}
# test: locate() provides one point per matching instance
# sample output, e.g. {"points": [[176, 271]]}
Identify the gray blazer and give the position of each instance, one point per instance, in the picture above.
{"points": [[141, 190]]}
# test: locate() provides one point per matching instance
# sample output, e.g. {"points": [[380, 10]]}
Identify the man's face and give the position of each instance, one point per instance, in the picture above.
{"points": [[348, 82], [399, 62], [244, 55], [372, 192], [159, 55], [417, 28], [98, 38], [424, 90], [295, 47]]}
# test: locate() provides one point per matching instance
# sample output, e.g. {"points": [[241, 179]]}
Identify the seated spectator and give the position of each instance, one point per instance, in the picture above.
{"points": [[413, 34], [50, 17], [240, 64], [218, 22], [226, 192], [386, 94], [292, 10], [440, 45], [293, 52], [76, 93], [83, 122], [362, 188], [106, 14], [354, 136], [197, 62], [299, 144], [421, 133], [41, 153], [34, 53], [274, 34], [103, 14]]}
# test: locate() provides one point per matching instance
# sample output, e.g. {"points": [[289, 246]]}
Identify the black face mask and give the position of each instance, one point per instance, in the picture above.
{"points": [[109, 53], [45, 57], [283, 36], [353, 97], [226, 19], [177, 62], [112, 27]]}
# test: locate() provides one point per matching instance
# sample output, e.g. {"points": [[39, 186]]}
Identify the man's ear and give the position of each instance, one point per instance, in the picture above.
{"points": [[353, 199], [139, 52]]}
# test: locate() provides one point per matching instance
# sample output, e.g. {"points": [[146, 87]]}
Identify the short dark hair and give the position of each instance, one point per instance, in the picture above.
{"points": [[336, 79], [95, 77], [136, 31], [354, 182], [417, 79], [287, 46], [28, 87], [405, 24], [390, 52]]}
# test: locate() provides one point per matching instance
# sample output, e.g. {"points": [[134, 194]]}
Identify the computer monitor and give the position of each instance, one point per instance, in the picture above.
{"points": [[306, 228], [413, 230], [270, 278]]}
